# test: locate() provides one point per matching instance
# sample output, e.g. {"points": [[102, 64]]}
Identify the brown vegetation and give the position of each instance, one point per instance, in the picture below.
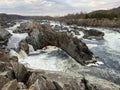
{"points": [[101, 18]]}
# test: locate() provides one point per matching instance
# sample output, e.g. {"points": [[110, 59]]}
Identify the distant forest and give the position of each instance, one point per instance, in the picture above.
{"points": [[92, 16]]}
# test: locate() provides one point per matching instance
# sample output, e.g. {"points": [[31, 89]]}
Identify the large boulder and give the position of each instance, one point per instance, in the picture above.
{"points": [[19, 70], [93, 34], [23, 45], [47, 80], [4, 36], [22, 28], [41, 36]]}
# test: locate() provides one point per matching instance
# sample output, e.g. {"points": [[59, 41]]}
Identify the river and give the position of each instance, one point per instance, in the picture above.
{"points": [[54, 59]]}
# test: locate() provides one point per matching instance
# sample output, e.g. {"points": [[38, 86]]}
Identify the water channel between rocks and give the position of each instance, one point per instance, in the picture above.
{"points": [[108, 51]]}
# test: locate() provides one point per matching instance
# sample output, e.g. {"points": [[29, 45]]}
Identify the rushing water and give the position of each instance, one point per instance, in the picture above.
{"points": [[16, 38], [108, 51], [53, 58]]}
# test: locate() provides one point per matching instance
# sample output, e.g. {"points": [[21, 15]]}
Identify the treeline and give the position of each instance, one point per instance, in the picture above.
{"points": [[75, 16], [11, 17], [3, 19], [91, 16], [103, 18], [7, 20], [92, 19], [110, 16]]}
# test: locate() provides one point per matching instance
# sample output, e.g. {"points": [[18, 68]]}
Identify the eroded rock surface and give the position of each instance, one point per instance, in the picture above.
{"points": [[89, 34], [23, 45], [41, 36], [4, 36], [18, 77], [19, 70], [93, 34], [62, 81], [11, 85]]}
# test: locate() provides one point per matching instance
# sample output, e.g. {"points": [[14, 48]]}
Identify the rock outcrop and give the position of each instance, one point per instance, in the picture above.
{"points": [[19, 70], [41, 36], [11, 85], [22, 29], [4, 36], [23, 45], [14, 76], [93, 34], [88, 34]]}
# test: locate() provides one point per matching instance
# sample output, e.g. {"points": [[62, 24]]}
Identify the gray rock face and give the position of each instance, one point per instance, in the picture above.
{"points": [[88, 34], [46, 80], [93, 34], [23, 45], [41, 36], [6, 75], [39, 82], [43, 85], [4, 36], [19, 70], [11, 85], [17, 77]]}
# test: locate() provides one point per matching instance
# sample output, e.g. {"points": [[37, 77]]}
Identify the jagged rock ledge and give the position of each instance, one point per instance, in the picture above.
{"points": [[41, 36], [14, 76]]}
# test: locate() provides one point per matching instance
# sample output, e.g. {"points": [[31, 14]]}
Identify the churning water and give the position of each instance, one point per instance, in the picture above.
{"points": [[53, 58]]}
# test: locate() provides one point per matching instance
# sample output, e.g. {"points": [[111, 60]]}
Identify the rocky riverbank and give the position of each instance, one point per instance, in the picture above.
{"points": [[14, 76]]}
